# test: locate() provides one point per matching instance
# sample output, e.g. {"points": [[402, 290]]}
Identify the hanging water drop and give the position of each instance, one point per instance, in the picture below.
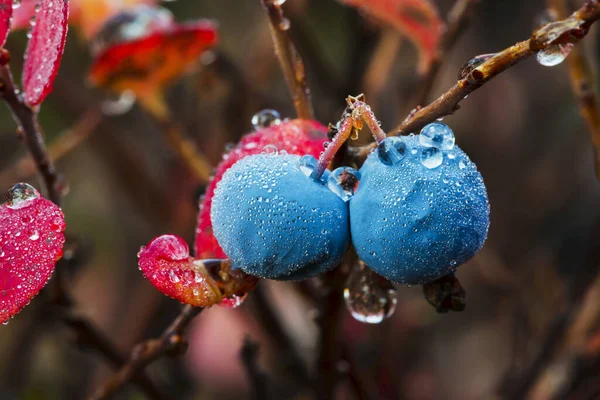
{"points": [[369, 298], [431, 157], [120, 105], [437, 135], [553, 55], [391, 150], [265, 119], [343, 181], [19, 195], [16, 4]]}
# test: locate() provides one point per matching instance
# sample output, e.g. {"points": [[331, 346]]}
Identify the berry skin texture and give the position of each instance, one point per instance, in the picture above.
{"points": [[296, 137], [414, 220], [275, 222]]}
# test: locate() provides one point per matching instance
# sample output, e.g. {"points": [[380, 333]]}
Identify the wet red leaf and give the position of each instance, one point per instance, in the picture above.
{"points": [[148, 64], [31, 241], [296, 137], [6, 11], [45, 49], [417, 19]]}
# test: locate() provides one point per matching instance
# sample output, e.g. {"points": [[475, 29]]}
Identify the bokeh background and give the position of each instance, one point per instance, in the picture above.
{"points": [[523, 131]]}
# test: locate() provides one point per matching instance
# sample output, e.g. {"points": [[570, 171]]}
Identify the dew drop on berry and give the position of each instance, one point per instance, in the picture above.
{"points": [[369, 298], [437, 135], [19, 195], [16, 4], [265, 118], [270, 149], [431, 157], [307, 164], [553, 55], [343, 181], [234, 301], [391, 150]]}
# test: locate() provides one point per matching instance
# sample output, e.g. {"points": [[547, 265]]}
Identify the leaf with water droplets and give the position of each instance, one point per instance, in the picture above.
{"points": [[167, 264], [45, 49], [31, 241], [417, 19], [295, 137], [6, 11]]}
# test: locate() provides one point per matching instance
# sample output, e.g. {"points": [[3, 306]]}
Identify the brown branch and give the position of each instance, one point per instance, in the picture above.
{"points": [[569, 30], [170, 342], [289, 59], [583, 87], [459, 17]]}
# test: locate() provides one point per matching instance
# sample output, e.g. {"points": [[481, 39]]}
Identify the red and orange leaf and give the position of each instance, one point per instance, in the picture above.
{"points": [[31, 242], [417, 19], [167, 264], [150, 63], [6, 11], [45, 49], [295, 136]]}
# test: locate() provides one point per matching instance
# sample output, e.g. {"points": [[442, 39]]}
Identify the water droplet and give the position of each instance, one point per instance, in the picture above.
{"points": [[173, 276], [431, 157], [391, 150], [19, 195], [34, 236], [553, 55], [234, 301], [307, 164], [437, 135], [284, 25], [119, 106], [343, 181], [5, 322], [265, 118], [461, 165], [270, 149], [369, 298], [278, 2], [473, 63], [16, 4]]}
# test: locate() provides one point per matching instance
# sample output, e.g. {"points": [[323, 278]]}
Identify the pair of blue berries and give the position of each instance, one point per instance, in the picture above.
{"points": [[420, 211]]}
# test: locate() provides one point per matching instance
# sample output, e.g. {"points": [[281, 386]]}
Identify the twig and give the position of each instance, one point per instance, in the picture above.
{"points": [[583, 87], [59, 148], [381, 63], [458, 18], [31, 133], [289, 59], [272, 323], [170, 342], [256, 376], [569, 30]]}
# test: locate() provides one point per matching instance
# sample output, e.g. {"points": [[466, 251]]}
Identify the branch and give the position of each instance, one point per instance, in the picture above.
{"points": [[257, 377], [170, 342], [459, 17], [583, 87], [569, 30], [289, 59]]}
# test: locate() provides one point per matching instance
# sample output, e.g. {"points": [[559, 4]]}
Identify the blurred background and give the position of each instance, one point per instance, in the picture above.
{"points": [[533, 307]]}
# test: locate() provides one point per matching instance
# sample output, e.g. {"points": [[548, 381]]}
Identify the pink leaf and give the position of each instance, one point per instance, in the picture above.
{"points": [[31, 241], [6, 11], [45, 49], [417, 19], [167, 264]]}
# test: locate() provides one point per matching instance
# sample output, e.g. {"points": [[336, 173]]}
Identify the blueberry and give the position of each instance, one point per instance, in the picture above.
{"points": [[414, 220], [275, 222]]}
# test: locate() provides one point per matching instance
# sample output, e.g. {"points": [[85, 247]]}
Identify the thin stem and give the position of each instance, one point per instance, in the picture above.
{"points": [[143, 354], [31, 133], [580, 74], [458, 18], [345, 128], [570, 30], [289, 59], [362, 110]]}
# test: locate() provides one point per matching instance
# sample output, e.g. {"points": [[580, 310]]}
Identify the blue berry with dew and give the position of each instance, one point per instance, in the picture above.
{"points": [[421, 208], [276, 218]]}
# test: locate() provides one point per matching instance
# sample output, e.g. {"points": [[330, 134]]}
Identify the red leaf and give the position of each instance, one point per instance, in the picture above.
{"points": [[31, 241], [5, 14], [296, 137], [45, 49], [417, 19], [167, 264], [153, 61]]}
